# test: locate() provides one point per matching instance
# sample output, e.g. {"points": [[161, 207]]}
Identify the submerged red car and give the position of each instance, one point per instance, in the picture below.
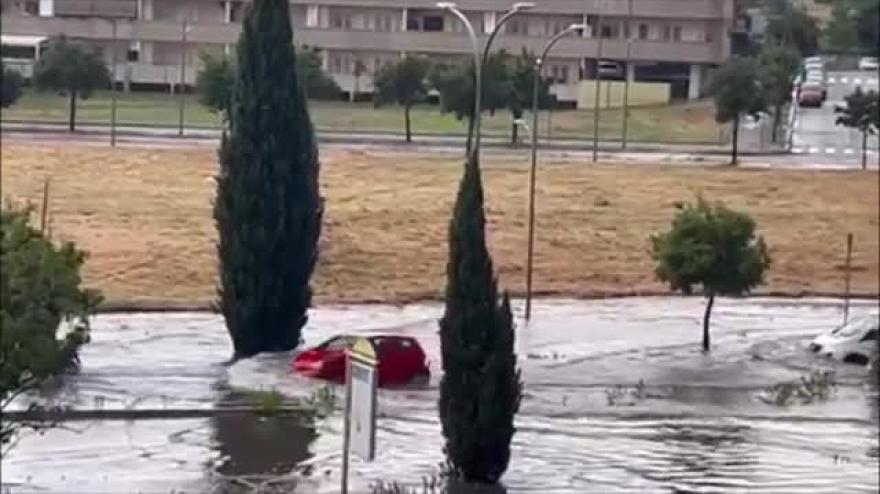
{"points": [[400, 359]]}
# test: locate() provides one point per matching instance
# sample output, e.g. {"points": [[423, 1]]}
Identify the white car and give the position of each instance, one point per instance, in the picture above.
{"points": [[856, 342], [868, 63]]}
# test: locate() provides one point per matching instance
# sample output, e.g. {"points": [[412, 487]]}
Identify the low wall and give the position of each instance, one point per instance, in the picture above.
{"points": [[611, 94]]}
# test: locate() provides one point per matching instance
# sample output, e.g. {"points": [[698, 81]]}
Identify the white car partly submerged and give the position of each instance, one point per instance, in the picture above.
{"points": [[857, 342]]}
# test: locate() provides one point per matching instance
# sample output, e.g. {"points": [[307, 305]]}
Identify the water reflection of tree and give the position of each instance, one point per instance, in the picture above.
{"points": [[250, 445], [710, 453]]}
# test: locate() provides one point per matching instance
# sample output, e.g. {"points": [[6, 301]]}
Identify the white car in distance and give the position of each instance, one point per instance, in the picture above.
{"points": [[868, 63], [856, 342]]}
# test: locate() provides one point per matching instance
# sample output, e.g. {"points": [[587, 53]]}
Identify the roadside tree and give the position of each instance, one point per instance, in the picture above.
{"points": [[778, 68], [840, 35], [215, 81], [791, 26], [40, 288], [404, 83], [522, 74], [72, 69], [861, 111], [10, 86], [268, 208], [711, 247], [456, 87], [737, 91], [316, 82]]}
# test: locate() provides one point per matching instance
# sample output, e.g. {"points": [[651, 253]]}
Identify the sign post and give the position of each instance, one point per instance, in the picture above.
{"points": [[361, 378]]}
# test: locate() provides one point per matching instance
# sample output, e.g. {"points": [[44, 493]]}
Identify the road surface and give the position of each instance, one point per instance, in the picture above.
{"points": [[817, 139]]}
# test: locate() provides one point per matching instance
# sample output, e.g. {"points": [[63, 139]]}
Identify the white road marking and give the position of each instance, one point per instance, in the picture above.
{"points": [[857, 81], [797, 150], [872, 81], [848, 151], [832, 80], [830, 150], [844, 80], [813, 150]]}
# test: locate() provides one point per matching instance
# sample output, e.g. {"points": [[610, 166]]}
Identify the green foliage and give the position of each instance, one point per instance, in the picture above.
{"points": [[737, 91], [317, 83], [861, 111], [72, 69], [792, 26], [840, 35], [778, 68], [456, 86], [215, 81], [40, 288], [268, 209], [10, 86], [817, 386], [522, 74], [481, 388], [404, 83], [712, 247]]}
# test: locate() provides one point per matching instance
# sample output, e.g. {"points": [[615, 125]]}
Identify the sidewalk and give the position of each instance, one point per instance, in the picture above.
{"points": [[388, 138]]}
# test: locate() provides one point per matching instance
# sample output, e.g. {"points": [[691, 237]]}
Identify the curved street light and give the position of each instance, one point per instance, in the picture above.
{"points": [[536, 81], [474, 136]]}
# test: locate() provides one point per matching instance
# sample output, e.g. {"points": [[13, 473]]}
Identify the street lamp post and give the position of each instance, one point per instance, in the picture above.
{"points": [[474, 136], [598, 77], [536, 82]]}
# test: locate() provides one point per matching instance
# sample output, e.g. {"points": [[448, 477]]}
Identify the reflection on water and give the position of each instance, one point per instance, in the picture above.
{"points": [[255, 446]]}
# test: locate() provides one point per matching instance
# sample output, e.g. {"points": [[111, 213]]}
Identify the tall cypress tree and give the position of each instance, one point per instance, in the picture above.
{"points": [[481, 387], [268, 209]]}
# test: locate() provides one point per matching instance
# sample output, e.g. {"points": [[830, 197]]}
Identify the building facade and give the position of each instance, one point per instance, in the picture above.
{"points": [[159, 41]]}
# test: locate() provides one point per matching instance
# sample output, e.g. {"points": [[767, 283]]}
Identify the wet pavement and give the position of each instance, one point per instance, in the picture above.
{"points": [[618, 398]]}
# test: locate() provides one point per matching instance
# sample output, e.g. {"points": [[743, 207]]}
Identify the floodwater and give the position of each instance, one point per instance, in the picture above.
{"points": [[697, 426]]}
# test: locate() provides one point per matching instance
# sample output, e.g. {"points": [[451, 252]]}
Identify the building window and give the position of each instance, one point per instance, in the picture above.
{"points": [[518, 27], [607, 31], [709, 38], [340, 21], [32, 8], [432, 23], [667, 33], [643, 31], [563, 74], [676, 33], [626, 30]]}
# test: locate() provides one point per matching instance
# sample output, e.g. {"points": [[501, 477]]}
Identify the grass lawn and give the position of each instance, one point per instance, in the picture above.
{"points": [[692, 122], [145, 217]]}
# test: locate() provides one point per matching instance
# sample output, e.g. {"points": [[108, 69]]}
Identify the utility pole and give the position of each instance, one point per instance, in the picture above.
{"points": [[113, 90], [598, 76], [182, 88], [626, 69]]}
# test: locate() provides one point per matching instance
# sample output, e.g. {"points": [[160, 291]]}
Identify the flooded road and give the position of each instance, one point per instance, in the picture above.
{"points": [[618, 398]]}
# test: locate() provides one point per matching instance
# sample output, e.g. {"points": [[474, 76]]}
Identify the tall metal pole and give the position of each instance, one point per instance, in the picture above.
{"points": [[475, 45], [849, 242], [182, 88], [598, 77], [536, 82], [113, 90], [629, 37]]}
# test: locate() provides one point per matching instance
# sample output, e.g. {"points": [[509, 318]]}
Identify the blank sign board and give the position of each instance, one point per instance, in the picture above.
{"points": [[363, 409]]}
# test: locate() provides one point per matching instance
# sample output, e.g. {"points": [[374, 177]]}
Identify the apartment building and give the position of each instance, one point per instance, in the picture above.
{"points": [[158, 41]]}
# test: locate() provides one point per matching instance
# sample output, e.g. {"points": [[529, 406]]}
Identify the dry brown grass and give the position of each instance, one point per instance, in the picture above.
{"points": [[145, 216]]}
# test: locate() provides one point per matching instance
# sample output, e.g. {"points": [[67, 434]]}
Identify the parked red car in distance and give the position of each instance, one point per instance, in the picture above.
{"points": [[400, 359]]}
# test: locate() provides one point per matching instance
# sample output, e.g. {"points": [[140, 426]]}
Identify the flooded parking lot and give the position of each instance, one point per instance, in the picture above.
{"points": [[618, 398]]}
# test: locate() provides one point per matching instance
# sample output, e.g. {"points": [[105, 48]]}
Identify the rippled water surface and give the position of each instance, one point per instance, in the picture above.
{"points": [[698, 425]]}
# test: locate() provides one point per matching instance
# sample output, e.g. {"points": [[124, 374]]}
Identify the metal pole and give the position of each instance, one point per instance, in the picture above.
{"points": [[598, 77], [629, 29], [44, 214], [346, 431], [849, 242], [181, 89], [536, 82], [113, 90], [477, 66]]}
